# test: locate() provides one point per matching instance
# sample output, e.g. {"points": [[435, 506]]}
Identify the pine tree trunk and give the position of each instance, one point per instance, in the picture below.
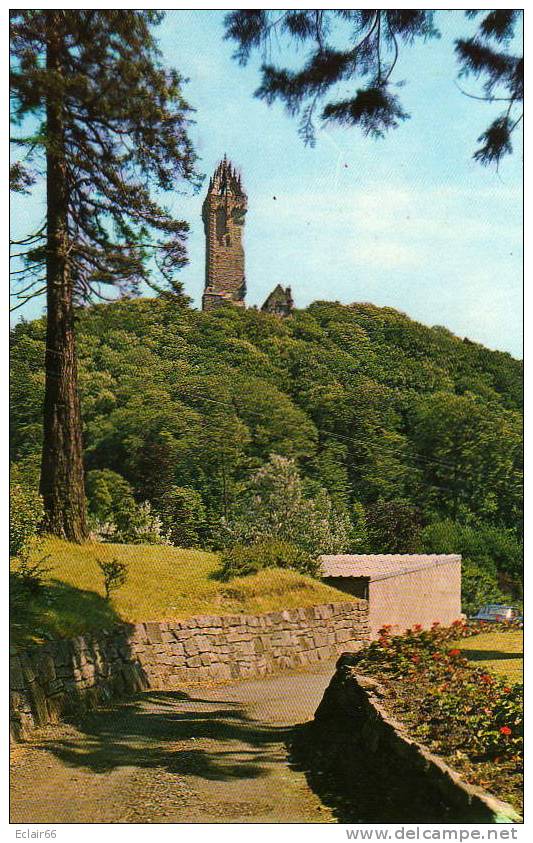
{"points": [[62, 481]]}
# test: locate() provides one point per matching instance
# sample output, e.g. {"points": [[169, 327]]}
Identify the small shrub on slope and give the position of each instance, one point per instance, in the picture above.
{"points": [[241, 560]]}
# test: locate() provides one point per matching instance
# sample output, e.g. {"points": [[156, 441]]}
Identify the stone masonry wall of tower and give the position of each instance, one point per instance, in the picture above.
{"points": [[223, 214]]}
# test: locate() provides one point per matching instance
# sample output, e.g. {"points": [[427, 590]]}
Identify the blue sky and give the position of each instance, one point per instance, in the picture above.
{"points": [[410, 221]]}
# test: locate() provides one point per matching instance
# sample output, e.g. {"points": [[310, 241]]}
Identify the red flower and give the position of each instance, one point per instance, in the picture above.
{"points": [[486, 678], [505, 730], [417, 627], [415, 659], [454, 653], [506, 690], [458, 622], [435, 623], [436, 657]]}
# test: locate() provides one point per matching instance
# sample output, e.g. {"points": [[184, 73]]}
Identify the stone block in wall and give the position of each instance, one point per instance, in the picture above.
{"points": [[17, 681], [249, 621], [258, 645], [280, 638], [37, 698], [342, 635], [153, 632], [235, 634], [243, 648], [57, 686], [320, 639], [275, 617], [202, 643], [209, 620], [219, 671], [231, 620], [62, 653], [190, 647]]}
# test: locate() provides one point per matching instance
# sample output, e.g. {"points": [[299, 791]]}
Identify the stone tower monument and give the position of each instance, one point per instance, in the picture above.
{"points": [[223, 213]]}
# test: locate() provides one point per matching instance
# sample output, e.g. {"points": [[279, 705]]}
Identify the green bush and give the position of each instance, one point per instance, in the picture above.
{"points": [[486, 550], [115, 574], [115, 515], [393, 527], [479, 587], [27, 574], [26, 514], [108, 495], [274, 505], [241, 559], [183, 516]]}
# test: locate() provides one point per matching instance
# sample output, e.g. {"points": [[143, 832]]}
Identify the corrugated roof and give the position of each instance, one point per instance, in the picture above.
{"points": [[383, 565]]}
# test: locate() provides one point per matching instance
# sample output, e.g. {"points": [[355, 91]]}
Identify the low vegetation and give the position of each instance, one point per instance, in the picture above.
{"points": [[241, 560], [458, 708], [162, 583]]}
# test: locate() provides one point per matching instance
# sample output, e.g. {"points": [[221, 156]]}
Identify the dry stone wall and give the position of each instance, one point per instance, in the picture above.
{"points": [[65, 676]]}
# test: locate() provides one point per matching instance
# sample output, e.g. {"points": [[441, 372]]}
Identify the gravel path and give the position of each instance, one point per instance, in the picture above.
{"points": [[207, 754]]}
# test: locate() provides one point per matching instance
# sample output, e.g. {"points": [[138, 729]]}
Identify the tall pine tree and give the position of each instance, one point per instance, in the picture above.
{"points": [[99, 118]]}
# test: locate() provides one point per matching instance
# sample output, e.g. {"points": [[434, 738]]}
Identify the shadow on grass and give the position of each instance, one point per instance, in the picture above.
{"points": [[57, 610], [489, 655], [181, 733]]}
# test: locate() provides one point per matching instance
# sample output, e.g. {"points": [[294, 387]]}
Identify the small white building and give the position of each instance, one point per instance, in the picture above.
{"points": [[402, 589]]}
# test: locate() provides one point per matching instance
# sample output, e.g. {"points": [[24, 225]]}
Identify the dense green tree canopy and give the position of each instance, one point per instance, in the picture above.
{"points": [[373, 407], [414, 434]]}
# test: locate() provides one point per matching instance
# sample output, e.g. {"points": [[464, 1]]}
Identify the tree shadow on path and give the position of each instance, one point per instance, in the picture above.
{"points": [[179, 732]]}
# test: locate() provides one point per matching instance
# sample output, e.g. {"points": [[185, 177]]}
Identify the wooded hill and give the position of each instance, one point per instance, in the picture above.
{"points": [[415, 433]]}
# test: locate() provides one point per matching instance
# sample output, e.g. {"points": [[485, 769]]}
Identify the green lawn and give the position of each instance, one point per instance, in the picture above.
{"points": [[500, 652], [163, 583]]}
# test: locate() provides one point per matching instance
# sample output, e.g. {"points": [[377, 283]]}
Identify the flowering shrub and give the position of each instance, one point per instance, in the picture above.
{"points": [[459, 707], [136, 525]]}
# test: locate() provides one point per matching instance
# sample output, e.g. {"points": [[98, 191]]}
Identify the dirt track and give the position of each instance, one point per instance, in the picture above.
{"points": [[213, 754]]}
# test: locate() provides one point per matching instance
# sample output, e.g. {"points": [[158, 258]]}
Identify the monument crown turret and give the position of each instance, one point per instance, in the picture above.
{"points": [[223, 212]]}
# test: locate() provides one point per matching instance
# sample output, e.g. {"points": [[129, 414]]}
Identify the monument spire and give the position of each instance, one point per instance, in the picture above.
{"points": [[223, 214]]}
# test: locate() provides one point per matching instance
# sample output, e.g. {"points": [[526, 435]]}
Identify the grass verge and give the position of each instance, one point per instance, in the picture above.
{"points": [[499, 652], [163, 583]]}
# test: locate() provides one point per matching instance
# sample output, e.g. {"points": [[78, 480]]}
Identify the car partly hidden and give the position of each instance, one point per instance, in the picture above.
{"points": [[498, 612]]}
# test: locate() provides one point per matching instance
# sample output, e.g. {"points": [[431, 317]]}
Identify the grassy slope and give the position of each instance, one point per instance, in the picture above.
{"points": [[500, 652], [163, 583]]}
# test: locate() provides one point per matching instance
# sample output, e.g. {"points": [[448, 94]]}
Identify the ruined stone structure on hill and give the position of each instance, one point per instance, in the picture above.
{"points": [[223, 213], [279, 302]]}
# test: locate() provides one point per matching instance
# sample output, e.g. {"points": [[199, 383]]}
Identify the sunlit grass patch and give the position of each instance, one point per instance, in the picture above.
{"points": [[500, 652], [163, 583]]}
